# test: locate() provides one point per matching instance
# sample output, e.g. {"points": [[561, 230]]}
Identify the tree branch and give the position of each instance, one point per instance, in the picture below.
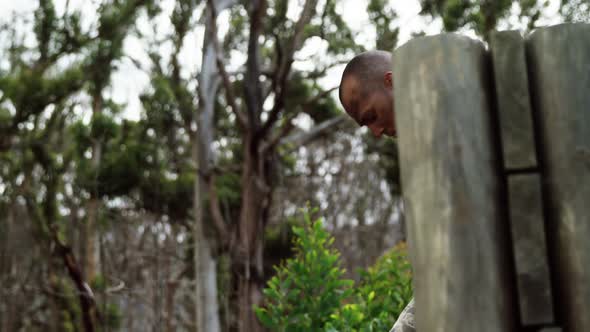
{"points": [[319, 96], [288, 124], [229, 93], [303, 138], [86, 297], [283, 131], [284, 66], [218, 220], [252, 87], [85, 293]]}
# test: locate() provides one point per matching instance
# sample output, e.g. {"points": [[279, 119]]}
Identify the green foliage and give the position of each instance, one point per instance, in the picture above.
{"points": [[30, 91], [301, 95], [29, 84], [69, 311], [387, 151], [116, 18], [180, 19], [99, 283], [480, 15], [45, 25], [55, 35], [381, 295], [278, 241], [308, 288], [112, 317], [120, 170], [44, 142], [382, 17], [385, 289], [229, 188], [236, 36], [160, 105], [5, 118], [102, 127], [309, 292], [334, 30], [168, 196], [122, 159]]}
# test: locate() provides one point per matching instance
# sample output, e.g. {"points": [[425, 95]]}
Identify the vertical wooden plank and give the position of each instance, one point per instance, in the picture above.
{"points": [[513, 98], [559, 67], [530, 249], [451, 186]]}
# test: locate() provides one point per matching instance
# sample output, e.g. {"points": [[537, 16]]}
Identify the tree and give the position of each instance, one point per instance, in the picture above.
{"points": [[114, 22], [383, 18], [209, 84], [481, 15], [37, 108], [575, 10], [44, 145], [270, 51]]}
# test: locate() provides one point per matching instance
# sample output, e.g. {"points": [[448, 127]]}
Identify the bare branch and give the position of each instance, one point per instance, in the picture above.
{"points": [[252, 86], [284, 66], [229, 93], [218, 220], [303, 138], [117, 288], [319, 96], [288, 123], [306, 15], [86, 296], [283, 131]]}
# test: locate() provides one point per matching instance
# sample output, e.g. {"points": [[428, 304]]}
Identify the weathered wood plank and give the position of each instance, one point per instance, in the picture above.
{"points": [[450, 185], [513, 98], [551, 329], [559, 64], [530, 249]]}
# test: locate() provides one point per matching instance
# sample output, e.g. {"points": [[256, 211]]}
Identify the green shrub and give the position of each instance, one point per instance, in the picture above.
{"points": [[382, 294], [309, 292], [112, 317], [307, 288]]}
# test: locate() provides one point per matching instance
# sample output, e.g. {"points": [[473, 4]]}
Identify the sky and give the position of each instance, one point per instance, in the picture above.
{"points": [[129, 81]]}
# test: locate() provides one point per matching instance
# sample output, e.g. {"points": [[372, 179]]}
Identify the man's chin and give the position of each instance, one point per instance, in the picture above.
{"points": [[391, 133]]}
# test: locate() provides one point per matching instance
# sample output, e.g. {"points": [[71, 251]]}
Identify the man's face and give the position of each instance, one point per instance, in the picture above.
{"points": [[373, 109]]}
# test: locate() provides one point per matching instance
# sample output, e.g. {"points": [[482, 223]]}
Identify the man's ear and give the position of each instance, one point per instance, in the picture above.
{"points": [[388, 79]]}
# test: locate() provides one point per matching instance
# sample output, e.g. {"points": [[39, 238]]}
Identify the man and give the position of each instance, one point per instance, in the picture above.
{"points": [[366, 93]]}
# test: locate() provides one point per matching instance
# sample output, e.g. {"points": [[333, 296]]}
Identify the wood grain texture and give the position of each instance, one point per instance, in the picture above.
{"points": [[559, 64], [450, 186], [513, 100], [530, 249]]}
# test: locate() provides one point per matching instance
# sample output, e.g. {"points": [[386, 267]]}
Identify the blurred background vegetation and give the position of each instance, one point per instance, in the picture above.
{"points": [[177, 218]]}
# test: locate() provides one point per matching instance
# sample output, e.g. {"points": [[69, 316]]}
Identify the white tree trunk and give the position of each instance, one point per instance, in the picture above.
{"points": [[207, 306], [211, 309]]}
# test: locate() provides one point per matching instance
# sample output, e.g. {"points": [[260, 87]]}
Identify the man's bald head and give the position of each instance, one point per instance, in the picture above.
{"points": [[367, 69], [366, 91]]}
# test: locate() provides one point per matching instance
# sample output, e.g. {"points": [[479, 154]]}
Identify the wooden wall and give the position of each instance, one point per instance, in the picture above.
{"points": [[495, 158]]}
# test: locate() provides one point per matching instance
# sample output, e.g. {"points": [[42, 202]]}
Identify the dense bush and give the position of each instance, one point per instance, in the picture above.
{"points": [[309, 291]]}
